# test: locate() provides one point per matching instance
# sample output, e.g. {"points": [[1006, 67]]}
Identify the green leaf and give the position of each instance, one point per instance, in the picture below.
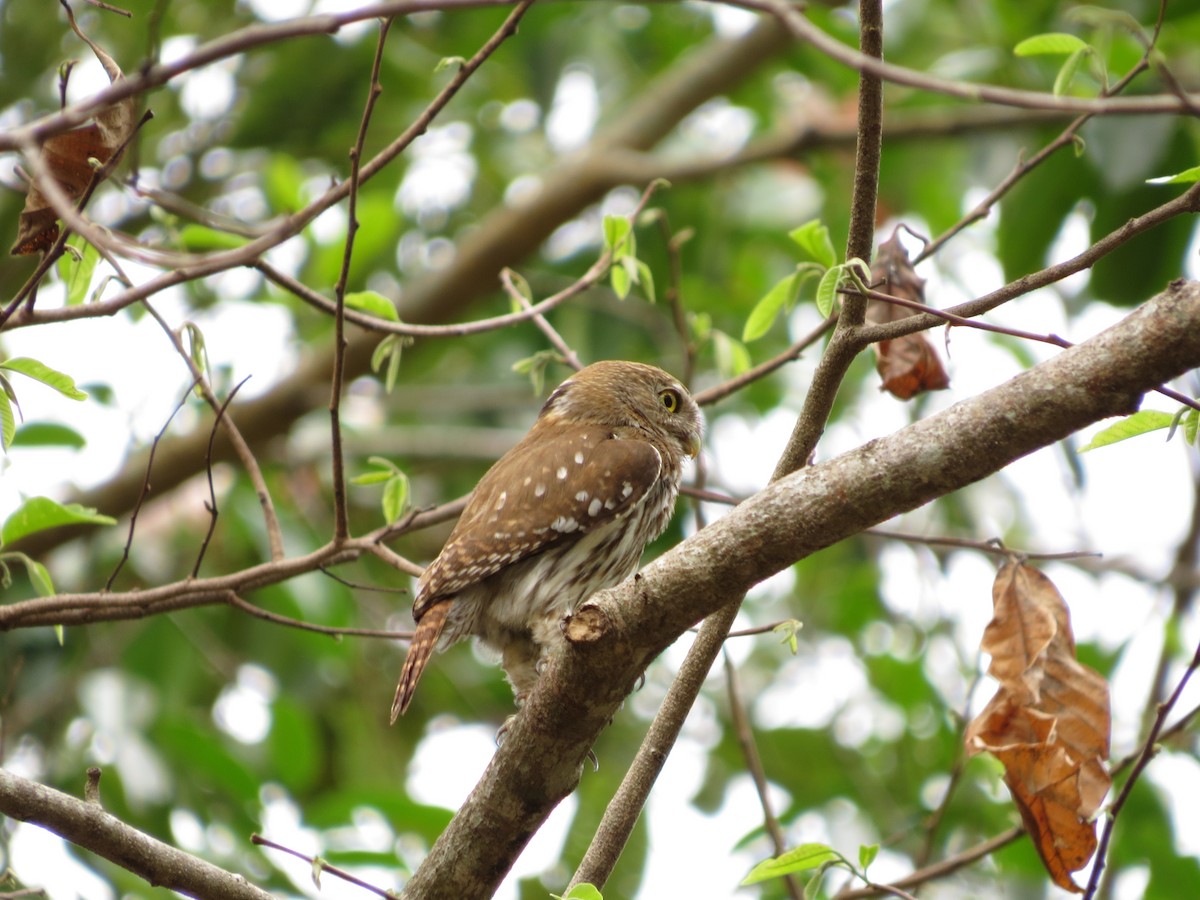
{"points": [[201, 239], [447, 61], [1052, 43], [1067, 73], [197, 349], [389, 351], [616, 229], [1191, 424], [48, 434], [732, 356], [583, 891], [866, 856], [788, 629], [39, 575], [522, 288], [766, 310], [827, 290], [373, 304], [798, 859], [76, 269], [535, 367], [620, 281], [645, 279], [41, 513], [8, 422], [1142, 422], [378, 476], [813, 238], [395, 497], [1187, 176], [31, 368]]}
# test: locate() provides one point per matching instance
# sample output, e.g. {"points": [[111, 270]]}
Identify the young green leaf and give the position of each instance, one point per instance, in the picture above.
{"points": [[616, 229], [798, 859], [788, 630], [766, 310], [1053, 44], [1191, 423], [827, 290], [523, 288], [8, 422], [202, 239], [583, 891], [389, 351], [395, 497], [31, 368], [813, 238], [1141, 422], [40, 513], [1187, 176], [373, 304], [39, 575], [733, 358], [1067, 73], [48, 434], [535, 367], [619, 276], [866, 856], [645, 279], [76, 269]]}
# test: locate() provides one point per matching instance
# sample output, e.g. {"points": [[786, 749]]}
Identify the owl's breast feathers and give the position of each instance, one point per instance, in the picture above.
{"points": [[559, 483]]}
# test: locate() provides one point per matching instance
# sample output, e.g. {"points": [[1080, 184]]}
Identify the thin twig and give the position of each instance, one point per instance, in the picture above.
{"points": [[240, 446], [570, 357], [323, 866], [137, 507], [211, 503], [258, 612], [341, 522], [745, 738]]}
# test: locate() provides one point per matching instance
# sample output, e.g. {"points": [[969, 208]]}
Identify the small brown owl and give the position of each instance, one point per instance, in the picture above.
{"points": [[564, 514]]}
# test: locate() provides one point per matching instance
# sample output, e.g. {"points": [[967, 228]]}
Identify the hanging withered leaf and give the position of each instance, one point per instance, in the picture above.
{"points": [[72, 158], [1049, 723], [908, 365]]}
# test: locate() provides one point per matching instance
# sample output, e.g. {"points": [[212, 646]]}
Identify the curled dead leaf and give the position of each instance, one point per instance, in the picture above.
{"points": [[73, 157], [907, 365], [1049, 723]]}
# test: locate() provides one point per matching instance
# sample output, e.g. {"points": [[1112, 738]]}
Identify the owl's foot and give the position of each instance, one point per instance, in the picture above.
{"points": [[503, 732]]}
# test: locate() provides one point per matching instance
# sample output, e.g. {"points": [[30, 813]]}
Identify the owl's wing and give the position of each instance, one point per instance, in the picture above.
{"points": [[549, 489]]}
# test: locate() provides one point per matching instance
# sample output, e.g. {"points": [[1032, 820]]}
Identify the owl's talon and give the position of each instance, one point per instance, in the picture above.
{"points": [[591, 757], [640, 683], [503, 732]]}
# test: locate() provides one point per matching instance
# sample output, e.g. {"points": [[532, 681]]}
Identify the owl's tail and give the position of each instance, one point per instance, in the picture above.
{"points": [[429, 629]]}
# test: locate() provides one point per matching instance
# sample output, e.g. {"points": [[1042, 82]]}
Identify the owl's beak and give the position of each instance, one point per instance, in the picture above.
{"points": [[693, 446]]}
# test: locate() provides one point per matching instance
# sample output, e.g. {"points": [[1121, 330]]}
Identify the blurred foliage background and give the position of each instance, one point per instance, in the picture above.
{"points": [[211, 725]]}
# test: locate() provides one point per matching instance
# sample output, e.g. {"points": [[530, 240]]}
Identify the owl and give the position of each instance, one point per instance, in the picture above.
{"points": [[564, 514]]}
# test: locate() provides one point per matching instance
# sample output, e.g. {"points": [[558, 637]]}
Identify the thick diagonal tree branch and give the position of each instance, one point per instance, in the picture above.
{"points": [[619, 632], [86, 824]]}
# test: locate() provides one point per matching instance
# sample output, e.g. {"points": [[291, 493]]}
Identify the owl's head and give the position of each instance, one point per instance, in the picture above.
{"points": [[619, 394]]}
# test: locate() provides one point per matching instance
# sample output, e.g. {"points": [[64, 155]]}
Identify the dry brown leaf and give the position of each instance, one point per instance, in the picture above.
{"points": [[908, 365], [68, 156], [1048, 724]]}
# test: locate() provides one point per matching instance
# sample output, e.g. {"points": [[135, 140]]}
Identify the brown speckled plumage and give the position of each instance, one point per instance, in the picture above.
{"points": [[565, 513]]}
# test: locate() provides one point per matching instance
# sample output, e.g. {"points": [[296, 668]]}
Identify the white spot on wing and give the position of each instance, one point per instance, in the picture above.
{"points": [[582, 496], [564, 524], [539, 490], [594, 507], [500, 501], [562, 473], [626, 489], [579, 457]]}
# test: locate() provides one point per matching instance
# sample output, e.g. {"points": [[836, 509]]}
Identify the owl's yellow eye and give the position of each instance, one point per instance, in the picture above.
{"points": [[670, 399]]}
